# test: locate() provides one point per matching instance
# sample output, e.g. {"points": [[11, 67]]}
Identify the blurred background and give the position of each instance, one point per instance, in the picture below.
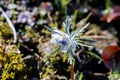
{"points": [[25, 45]]}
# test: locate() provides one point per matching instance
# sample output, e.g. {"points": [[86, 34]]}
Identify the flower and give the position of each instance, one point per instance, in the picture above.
{"points": [[68, 41], [45, 7], [63, 40]]}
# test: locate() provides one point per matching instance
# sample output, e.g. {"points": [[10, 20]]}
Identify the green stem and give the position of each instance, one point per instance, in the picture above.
{"points": [[107, 5], [66, 10], [13, 10]]}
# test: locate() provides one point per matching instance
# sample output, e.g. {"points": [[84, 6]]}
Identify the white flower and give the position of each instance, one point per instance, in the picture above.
{"points": [[63, 40], [68, 41]]}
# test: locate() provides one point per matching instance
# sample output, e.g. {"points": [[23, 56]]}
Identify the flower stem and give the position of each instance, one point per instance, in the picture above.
{"points": [[72, 72]]}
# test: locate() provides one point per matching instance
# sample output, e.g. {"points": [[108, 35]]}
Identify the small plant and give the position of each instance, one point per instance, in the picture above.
{"points": [[68, 41]]}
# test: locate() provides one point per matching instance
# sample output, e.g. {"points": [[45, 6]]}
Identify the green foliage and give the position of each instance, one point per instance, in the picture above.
{"points": [[81, 76], [5, 31], [10, 60], [107, 5], [13, 10], [13, 64], [94, 55], [64, 3], [31, 34], [113, 75], [64, 6], [74, 17], [48, 71]]}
